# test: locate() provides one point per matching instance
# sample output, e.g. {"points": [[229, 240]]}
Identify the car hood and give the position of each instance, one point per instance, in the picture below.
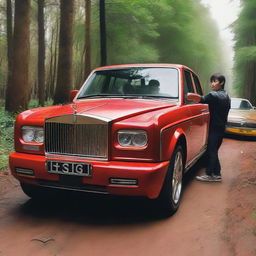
{"points": [[111, 109], [242, 115]]}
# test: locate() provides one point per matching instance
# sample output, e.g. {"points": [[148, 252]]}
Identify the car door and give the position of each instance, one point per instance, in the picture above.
{"points": [[197, 132], [201, 110]]}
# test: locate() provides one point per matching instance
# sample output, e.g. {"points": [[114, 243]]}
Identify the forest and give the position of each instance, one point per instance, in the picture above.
{"points": [[244, 29], [48, 47]]}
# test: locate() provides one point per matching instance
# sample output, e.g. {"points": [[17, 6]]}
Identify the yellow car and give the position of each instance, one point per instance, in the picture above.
{"points": [[241, 118]]}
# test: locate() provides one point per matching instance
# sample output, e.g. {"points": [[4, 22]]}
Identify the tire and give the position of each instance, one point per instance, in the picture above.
{"points": [[32, 191], [170, 196]]}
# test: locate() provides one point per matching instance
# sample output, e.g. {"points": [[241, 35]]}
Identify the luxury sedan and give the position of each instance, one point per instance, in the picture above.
{"points": [[241, 118]]}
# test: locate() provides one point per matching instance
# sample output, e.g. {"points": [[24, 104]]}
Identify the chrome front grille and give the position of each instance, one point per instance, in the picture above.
{"points": [[76, 135]]}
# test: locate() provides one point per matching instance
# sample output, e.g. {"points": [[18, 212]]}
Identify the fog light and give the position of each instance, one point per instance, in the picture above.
{"points": [[123, 182], [23, 171]]}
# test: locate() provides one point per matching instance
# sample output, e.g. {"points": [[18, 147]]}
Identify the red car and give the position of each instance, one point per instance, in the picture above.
{"points": [[130, 130]]}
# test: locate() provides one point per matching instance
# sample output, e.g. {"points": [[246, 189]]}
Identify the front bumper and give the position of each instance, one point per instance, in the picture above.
{"points": [[149, 176], [241, 131]]}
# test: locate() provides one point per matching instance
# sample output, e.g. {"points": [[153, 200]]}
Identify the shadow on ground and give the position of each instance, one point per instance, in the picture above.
{"points": [[240, 137], [92, 209]]}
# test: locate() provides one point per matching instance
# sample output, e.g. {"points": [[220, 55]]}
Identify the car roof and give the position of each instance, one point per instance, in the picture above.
{"points": [[239, 99], [179, 66]]}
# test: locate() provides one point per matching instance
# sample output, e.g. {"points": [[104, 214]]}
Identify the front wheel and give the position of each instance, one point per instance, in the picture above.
{"points": [[170, 196]]}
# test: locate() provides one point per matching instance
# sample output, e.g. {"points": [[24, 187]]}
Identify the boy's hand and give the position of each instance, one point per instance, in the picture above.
{"points": [[193, 97]]}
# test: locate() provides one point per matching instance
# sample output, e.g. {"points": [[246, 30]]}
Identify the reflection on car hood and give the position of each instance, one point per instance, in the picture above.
{"points": [[111, 109], [242, 115], [116, 109]]}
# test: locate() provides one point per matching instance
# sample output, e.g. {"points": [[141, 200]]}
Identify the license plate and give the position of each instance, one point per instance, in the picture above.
{"points": [[69, 168]]}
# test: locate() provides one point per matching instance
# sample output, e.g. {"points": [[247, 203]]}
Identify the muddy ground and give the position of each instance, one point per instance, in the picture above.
{"points": [[213, 219]]}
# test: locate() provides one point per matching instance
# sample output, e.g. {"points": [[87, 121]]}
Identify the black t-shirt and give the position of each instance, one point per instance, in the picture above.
{"points": [[219, 105]]}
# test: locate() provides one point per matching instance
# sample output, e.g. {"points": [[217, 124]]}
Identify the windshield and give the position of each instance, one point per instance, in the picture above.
{"points": [[240, 104], [136, 81]]}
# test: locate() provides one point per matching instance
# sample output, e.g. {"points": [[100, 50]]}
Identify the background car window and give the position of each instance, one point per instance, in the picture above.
{"points": [[240, 104], [197, 84]]}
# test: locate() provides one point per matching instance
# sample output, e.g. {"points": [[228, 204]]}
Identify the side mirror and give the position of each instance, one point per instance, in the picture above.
{"points": [[193, 97], [73, 94]]}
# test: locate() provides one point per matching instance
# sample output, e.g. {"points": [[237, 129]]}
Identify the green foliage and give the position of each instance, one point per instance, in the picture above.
{"points": [[6, 137], [131, 29], [35, 104], [244, 54], [6, 132], [245, 51], [138, 31], [167, 31]]}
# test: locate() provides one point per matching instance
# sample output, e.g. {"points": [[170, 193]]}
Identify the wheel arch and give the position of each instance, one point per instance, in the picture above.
{"points": [[178, 137]]}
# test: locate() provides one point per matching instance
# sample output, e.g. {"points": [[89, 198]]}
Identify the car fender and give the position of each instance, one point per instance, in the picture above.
{"points": [[169, 139]]}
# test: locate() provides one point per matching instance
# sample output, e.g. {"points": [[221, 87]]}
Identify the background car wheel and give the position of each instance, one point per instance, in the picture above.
{"points": [[170, 196]]}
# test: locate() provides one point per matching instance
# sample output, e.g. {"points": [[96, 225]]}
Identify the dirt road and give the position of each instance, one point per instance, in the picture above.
{"points": [[213, 219]]}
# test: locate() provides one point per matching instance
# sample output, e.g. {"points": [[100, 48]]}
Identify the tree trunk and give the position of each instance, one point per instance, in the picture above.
{"points": [[103, 41], [50, 66], [87, 38], [55, 61], [19, 95], [54, 56], [9, 27], [41, 53], [64, 77]]}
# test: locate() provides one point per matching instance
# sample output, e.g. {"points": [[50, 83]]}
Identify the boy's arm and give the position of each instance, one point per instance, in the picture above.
{"points": [[194, 97], [200, 99]]}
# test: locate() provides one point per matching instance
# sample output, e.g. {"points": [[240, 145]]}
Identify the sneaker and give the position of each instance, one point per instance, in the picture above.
{"points": [[217, 177], [206, 178]]}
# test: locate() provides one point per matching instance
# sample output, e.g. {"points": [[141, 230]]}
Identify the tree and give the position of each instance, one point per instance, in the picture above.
{"points": [[103, 40], [41, 52], [245, 51], [64, 76], [87, 37], [9, 26], [17, 99]]}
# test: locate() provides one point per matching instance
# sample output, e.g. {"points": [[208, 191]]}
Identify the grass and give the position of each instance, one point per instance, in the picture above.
{"points": [[6, 133]]}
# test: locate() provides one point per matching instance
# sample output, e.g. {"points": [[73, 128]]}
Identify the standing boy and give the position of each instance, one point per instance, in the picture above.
{"points": [[219, 105]]}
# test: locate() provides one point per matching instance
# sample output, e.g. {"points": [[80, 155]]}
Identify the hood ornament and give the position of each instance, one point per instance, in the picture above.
{"points": [[75, 108], [75, 112]]}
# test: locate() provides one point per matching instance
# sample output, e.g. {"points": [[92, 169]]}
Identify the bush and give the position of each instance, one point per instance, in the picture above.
{"points": [[6, 131], [6, 137]]}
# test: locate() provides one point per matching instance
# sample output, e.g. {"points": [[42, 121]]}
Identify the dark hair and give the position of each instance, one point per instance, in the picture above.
{"points": [[217, 76]]}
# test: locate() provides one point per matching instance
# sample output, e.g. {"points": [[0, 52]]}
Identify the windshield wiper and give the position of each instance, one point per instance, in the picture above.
{"points": [[111, 96], [97, 96], [158, 96], [126, 96]]}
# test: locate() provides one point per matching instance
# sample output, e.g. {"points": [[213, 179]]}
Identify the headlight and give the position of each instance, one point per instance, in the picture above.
{"points": [[33, 134], [132, 138]]}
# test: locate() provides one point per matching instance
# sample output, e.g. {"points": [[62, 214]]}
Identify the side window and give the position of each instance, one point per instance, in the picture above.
{"points": [[188, 86], [197, 84]]}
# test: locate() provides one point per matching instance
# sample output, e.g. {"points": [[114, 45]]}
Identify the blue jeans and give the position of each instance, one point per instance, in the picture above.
{"points": [[215, 139]]}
